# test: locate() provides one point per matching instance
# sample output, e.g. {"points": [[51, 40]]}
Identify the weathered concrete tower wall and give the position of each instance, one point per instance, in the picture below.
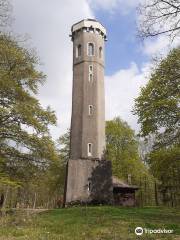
{"points": [[88, 106], [88, 174]]}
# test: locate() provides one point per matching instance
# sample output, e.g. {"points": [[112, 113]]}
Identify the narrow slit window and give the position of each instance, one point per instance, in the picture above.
{"points": [[89, 186], [89, 149], [90, 77], [90, 109], [100, 52], [78, 51], [90, 49]]}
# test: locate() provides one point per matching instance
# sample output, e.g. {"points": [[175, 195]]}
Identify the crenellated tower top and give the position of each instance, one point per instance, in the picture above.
{"points": [[88, 25]]}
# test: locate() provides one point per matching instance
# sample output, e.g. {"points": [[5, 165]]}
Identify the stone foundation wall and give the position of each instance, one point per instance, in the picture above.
{"points": [[89, 181]]}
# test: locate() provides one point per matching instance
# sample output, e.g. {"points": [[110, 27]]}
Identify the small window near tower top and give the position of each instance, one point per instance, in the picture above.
{"points": [[100, 52], [97, 31], [90, 49], [91, 30], [89, 150], [78, 50], [90, 68], [84, 29], [90, 77], [90, 109]]}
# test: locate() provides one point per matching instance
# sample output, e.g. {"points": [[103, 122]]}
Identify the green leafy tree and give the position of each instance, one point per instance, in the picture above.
{"points": [[25, 142], [31, 170], [165, 166], [122, 150], [64, 146], [157, 107], [158, 112]]}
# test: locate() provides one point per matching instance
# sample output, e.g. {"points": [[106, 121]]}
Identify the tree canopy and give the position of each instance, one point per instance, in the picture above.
{"points": [[165, 166], [157, 107], [24, 134], [64, 146], [122, 150], [158, 113], [31, 170]]}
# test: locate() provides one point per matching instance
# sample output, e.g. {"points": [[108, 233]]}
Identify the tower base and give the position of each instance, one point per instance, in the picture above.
{"points": [[88, 181]]}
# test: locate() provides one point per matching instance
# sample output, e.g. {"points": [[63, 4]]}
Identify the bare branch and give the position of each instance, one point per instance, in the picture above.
{"points": [[159, 17]]}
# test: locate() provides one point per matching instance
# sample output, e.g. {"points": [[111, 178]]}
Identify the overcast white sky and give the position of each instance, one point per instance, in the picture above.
{"points": [[48, 23]]}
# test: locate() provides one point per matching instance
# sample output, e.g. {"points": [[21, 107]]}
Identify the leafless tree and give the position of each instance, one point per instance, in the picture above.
{"points": [[159, 17]]}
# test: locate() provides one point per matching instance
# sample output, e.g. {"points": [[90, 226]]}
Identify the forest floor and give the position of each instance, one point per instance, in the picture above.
{"points": [[90, 223]]}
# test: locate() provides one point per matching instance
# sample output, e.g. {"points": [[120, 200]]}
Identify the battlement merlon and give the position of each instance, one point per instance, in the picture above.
{"points": [[89, 25]]}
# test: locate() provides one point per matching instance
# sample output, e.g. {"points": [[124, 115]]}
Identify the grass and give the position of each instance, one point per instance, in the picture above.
{"points": [[90, 223]]}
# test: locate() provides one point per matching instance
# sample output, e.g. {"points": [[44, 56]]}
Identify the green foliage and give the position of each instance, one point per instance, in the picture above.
{"points": [[25, 142], [64, 146], [55, 177], [158, 111], [165, 166], [5, 180], [31, 170], [157, 106], [122, 150]]}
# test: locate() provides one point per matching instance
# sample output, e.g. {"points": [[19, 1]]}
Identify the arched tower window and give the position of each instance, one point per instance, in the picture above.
{"points": [[90, 49], [100, 52], [90, 68], [78, 50], [90, 110]]}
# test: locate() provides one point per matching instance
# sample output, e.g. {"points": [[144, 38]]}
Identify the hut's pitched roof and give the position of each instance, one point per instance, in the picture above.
{"points": [[117, 183]]}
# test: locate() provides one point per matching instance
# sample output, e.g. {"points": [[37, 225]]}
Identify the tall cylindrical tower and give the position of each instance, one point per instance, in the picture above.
{"points": [[88, 175], [88, 106]]}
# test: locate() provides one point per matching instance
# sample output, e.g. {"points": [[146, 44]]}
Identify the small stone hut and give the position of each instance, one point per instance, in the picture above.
{"points": [[124, 194]]}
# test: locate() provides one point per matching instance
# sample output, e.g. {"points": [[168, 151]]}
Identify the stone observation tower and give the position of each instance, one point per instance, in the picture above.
{"points": [[88, 177]]}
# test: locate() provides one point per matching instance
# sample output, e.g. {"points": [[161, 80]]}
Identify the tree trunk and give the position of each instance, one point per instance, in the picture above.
{"points": [[34, 203], [172, 200], [145, 191], [5, 197], [141, 193], [156, 193]]}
